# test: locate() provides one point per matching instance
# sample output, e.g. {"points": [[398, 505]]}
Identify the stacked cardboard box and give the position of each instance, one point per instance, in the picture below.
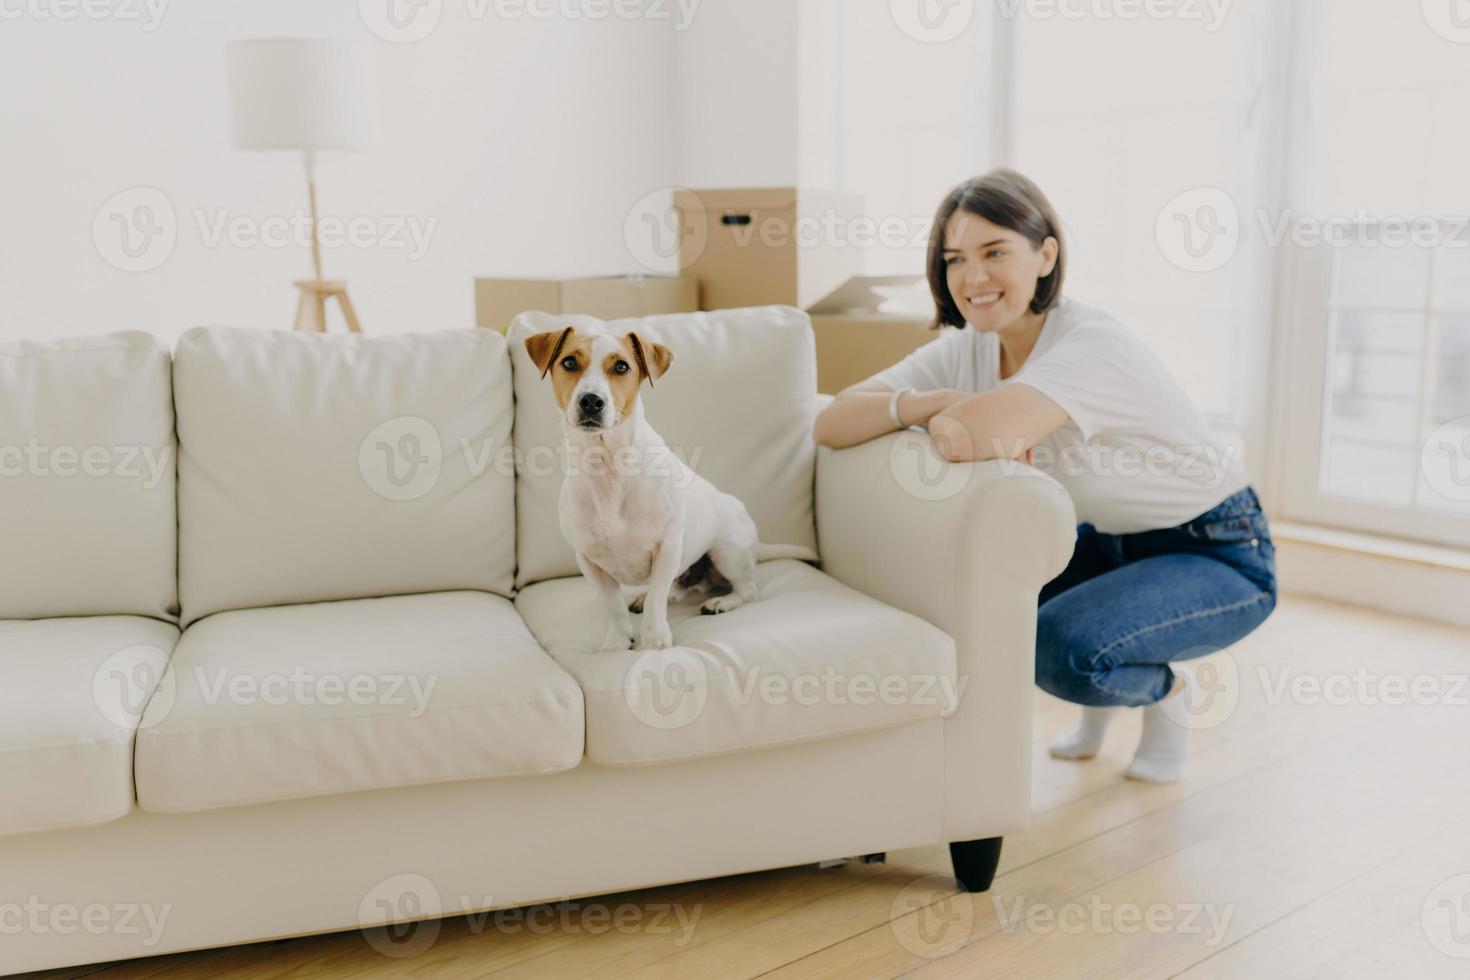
{"points": [[498, 301]]}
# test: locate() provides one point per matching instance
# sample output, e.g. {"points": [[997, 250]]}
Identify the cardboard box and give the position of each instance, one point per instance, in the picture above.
{"points": [[499, 301], [868, 324], [756, 246]]}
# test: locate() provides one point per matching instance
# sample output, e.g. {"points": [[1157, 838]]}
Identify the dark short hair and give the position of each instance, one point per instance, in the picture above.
{"points": [[1008, 199]]}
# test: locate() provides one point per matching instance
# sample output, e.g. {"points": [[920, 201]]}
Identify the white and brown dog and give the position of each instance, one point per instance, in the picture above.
{"points": [[638, 518]]}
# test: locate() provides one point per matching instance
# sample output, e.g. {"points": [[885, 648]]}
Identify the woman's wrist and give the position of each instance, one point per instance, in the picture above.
{"points": [[918, 407]]}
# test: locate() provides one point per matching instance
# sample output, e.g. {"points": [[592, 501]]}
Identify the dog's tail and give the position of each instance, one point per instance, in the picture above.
{"points": [[770, 552]]}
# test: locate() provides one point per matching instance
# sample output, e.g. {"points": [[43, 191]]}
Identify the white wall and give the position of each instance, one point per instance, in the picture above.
{"points": [[735, 119], [526, 141], [897, 116]]}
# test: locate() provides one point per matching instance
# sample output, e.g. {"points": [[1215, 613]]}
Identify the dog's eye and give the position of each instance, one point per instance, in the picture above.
{"points": [[570, 363], [621, 367]]}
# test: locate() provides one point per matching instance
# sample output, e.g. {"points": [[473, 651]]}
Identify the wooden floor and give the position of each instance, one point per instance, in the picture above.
{"points": [[1313, 836]]}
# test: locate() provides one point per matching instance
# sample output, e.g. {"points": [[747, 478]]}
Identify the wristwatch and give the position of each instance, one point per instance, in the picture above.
{"points": [[893, 406]]}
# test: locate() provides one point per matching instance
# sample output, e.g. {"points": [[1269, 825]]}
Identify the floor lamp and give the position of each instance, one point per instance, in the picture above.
{"points": [[306, 95]]}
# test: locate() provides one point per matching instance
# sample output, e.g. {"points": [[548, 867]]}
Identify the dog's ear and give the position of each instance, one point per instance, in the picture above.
{"points": [[544, 347], [653, 359]]}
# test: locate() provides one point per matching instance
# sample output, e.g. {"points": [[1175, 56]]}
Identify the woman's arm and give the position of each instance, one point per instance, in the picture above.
{"points": [[1004, 423], [860, 413]]}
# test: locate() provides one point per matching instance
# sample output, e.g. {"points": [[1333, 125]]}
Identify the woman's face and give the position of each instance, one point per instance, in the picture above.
{"points": [[992, 271]]}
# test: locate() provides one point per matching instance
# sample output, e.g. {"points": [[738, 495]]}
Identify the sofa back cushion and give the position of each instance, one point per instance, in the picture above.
{"points": [[87, 466], [316, 467], [737, 406]]}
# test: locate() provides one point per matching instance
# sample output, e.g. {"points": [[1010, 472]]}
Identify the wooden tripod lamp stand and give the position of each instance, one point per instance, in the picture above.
{"points": [[307, 95]]}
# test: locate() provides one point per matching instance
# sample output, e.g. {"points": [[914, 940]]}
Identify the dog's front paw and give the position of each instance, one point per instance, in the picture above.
{"points": [[616, 640], [720, 604], [655, 636]]}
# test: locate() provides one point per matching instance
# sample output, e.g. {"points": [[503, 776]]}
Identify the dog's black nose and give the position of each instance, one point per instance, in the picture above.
{"points": [[590, 404]]}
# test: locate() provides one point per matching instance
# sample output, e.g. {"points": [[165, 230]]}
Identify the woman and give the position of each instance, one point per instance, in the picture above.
{"points": [[1173, 558]]}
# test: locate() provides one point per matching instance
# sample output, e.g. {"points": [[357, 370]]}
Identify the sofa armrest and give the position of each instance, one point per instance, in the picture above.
{"points": [[967, 547]]}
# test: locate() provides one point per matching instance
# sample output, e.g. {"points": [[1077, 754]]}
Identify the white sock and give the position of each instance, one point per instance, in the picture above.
{"points": [[1084, 742], [1164, 747]]}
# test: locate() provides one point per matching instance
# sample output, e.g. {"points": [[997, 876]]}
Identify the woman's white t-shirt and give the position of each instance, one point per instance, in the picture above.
{"points": [[1134, 455]]}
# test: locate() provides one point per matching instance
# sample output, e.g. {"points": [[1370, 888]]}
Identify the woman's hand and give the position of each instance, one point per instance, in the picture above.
{"points": [[1005, 423], [861, 413]]}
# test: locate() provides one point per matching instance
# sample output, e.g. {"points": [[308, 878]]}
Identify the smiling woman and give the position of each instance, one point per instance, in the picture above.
{"points": [[1173, 558]]}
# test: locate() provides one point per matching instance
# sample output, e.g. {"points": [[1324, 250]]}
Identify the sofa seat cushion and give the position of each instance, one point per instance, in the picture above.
{"points": [[72, 695], [309, 700], [812, 659]]}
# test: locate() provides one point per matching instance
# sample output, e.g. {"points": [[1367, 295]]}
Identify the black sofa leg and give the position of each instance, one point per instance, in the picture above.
{"points": [[975, 862]]}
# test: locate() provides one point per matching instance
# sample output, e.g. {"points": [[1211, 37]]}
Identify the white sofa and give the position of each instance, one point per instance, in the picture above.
{"points": [[291, 642]]}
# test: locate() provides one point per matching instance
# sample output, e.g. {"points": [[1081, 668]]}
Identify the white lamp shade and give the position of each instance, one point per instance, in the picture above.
{"points": [[301, 94]]}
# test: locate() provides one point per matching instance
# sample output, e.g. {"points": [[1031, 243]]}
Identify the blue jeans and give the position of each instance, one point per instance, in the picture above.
{"points": [[1128, 605]]}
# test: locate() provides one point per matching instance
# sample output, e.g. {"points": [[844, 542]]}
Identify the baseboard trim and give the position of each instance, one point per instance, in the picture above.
{"points": [[1406, 577]]}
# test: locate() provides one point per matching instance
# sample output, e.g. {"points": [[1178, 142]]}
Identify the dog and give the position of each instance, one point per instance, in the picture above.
{"points": [[637, 517]]}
